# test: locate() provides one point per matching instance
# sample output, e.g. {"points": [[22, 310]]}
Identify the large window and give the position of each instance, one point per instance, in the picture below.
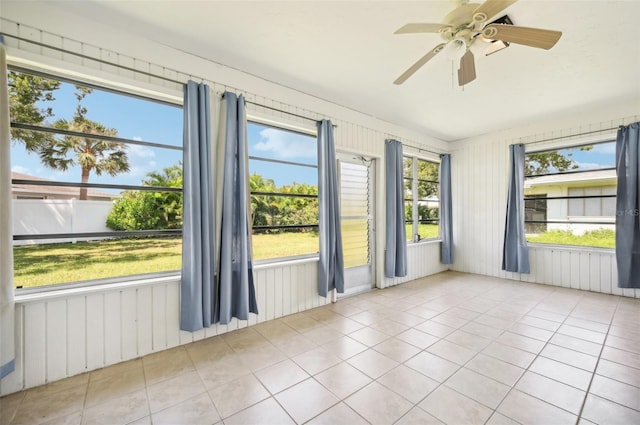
{"points": [[570, 195], [96, 182], [284, 192], [421, 198]]}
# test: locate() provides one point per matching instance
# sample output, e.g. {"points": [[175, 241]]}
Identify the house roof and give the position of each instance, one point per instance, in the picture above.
{"points": [[598, 177], [53, 190]]}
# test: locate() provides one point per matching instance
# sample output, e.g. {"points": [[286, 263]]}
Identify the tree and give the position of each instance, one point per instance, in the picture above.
{"points": [[145, 210], [26, 92], [270, 210], [90, 154], [545, 162]]}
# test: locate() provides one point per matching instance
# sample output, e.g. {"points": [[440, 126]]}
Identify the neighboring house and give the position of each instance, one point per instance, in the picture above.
{"points": [[575, 215], [35, 191]]}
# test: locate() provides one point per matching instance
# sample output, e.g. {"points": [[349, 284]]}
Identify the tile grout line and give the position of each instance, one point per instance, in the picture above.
{"points": [[588, 390]]}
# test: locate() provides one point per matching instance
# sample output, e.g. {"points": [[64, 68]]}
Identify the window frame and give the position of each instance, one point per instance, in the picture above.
{"points": [[594, 140], [112, 87], [415, 200]]}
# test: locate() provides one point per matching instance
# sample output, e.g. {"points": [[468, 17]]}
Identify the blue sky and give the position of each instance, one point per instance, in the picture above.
{"points": [[154, 122], [601, 155]]}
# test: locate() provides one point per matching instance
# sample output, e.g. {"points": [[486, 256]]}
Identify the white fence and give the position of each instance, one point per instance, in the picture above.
{"points": [[51, 216]]}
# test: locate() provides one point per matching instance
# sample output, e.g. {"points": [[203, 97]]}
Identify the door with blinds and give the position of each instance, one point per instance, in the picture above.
{"points": [[357, 221]]}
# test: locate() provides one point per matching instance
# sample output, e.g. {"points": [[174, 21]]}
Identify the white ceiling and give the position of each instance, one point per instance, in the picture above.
{"points": [[345, 52]]}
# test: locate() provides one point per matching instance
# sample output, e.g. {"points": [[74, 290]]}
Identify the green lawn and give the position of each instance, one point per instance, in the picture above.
{"points": [[38, 265], [426, 231], [47, 264], [601, 238]]}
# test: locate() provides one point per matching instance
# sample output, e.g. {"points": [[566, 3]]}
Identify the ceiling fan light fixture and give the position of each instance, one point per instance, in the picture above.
{"points": [[496, 45]]}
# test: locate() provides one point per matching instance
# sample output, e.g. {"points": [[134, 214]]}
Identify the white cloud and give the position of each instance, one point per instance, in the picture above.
{"points": [[284, 145], [608, 148], [20, 169], [138, 151], [588, 165]]}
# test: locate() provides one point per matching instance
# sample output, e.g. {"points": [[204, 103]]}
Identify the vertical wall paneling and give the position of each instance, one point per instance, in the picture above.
{"points": [[128, 325], [278, 294], [144, 318], [35, 372], [158, 317], [172, 323], [594, 272], [95, 332], [76, 324], [56, 339], [112, 328]]}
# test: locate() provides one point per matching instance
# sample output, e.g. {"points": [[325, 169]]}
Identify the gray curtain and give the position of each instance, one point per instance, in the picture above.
{"points": [[198, 284], [446, 229], [395, 254], [236, 289], [331, 271], [7, 306], [515, 255], [628, 206]]}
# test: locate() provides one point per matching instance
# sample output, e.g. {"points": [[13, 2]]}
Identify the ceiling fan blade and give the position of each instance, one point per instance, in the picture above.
{"points": [[467, 70], [534, 37], [416, 66], [491, 8], [419, 28]]}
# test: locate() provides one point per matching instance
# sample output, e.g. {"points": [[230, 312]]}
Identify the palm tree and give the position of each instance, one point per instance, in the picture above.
{"points": [[90, 154]]}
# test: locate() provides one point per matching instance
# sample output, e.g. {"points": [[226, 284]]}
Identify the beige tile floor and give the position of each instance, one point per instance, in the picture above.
{"points": [[452, 348]]}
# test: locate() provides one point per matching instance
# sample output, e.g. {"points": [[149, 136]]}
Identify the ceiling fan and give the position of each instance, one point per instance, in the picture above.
{"points": [[468, 24]]}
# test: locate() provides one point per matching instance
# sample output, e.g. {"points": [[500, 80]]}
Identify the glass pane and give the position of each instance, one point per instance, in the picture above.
{"points": [[274, 210], [408, 188], [561, 229], [428, 210], [284, 145], [55, 263], [576, 206], [284, 243], [407, 165], [355, 242], [354, 190], [593, 206], [428, 170], [408, 217], [581, 158], [427, 190]]}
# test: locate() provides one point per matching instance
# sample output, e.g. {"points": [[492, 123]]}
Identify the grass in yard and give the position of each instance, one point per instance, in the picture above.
{"points": [[267, 246], [426, 231], [601, 238], [47, 264]]}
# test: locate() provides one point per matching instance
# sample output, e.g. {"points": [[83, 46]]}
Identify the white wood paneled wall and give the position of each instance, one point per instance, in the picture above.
{"points": [[423, 259], [479, 178]]}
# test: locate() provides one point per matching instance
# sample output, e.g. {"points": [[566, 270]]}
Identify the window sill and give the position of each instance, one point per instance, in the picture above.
{"points": [[92, 289], [51, 293], [573, 248], [286, 261], [425, 242]]}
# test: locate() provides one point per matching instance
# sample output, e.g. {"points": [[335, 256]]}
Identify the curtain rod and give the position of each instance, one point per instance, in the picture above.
{"points": [[148, 74], [285, 112], [571, 135], [102, 61], [422, 149]]}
